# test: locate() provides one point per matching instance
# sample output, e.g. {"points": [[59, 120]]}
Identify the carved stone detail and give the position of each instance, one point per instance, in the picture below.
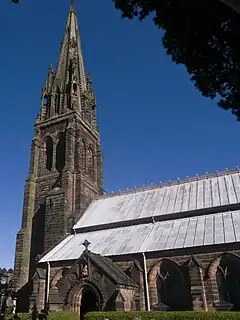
{"points": [[73, 278]]}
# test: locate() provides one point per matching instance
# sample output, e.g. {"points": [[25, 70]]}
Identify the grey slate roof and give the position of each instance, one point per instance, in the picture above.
{"points": [[194, 213], [166, 235], [180, 197], [110, 268]]}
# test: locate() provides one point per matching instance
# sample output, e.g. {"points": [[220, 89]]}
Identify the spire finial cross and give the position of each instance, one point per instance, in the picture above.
{"points": [[72, 3], [86, 244]]}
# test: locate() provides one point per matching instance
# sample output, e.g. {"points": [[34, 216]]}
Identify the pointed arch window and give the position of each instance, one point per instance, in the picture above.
{"points": [[47, 104], [74, 88], [61, 152], [45, 100], [69, 85], [49, 153], [228, 281], [90, 162], [171, 288]]}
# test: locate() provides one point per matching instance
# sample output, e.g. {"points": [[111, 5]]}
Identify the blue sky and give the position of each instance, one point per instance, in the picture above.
{"points": [[155, 126]]}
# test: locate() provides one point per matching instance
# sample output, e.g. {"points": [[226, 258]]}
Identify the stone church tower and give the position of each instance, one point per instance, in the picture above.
{"points": [[66, 159]]}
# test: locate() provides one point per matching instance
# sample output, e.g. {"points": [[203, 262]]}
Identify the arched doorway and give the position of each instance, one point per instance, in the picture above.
{"points": [[90, 301]]}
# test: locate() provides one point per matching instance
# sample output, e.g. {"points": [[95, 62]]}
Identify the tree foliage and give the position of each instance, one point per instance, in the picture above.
{"points": [[4, 270], [204, 36]]}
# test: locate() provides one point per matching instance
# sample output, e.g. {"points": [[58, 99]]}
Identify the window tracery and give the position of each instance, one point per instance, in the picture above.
{"points": [[228, 281], [171, 288]]}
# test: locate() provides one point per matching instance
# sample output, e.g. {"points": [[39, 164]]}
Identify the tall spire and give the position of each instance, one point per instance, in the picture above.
{"points": [[71, 52], [68, 88], [70, 75]]}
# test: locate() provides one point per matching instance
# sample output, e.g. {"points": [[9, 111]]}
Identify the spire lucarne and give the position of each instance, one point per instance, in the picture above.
{"points": [[66, 159]]}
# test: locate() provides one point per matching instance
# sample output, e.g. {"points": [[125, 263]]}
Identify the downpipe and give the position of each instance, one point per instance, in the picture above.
{"points": [[48, 286], [145, 280]]}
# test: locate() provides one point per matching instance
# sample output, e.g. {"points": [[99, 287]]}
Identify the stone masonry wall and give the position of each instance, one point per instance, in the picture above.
{"points": [[53, 199], [208, 285], [201, 286], [200, 282]]}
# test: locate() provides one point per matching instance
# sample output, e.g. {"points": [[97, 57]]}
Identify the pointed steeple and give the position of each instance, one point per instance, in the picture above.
{"points": [[68, 88], [70, 75]]}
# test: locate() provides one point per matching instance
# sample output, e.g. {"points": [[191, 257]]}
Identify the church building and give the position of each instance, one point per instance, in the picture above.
{"points": [[174, 246]]}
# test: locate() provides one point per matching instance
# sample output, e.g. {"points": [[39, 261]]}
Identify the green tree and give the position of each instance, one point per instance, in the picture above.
{"points": [[204, 36]]}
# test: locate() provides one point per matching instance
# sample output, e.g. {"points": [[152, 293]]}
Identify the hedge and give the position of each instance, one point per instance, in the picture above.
{"points": [[51, 316], [63, 316], [188, 315]]}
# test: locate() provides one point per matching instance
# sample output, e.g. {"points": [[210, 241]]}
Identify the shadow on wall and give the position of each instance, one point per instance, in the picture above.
{"points": [[23, 296], [37, 241]]}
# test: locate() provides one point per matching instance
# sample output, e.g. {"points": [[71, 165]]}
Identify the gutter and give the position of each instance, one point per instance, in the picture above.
{"points": [[145, 281]]}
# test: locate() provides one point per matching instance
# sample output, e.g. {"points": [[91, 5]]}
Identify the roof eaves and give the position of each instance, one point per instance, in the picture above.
{"points": [[170, 183]]}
